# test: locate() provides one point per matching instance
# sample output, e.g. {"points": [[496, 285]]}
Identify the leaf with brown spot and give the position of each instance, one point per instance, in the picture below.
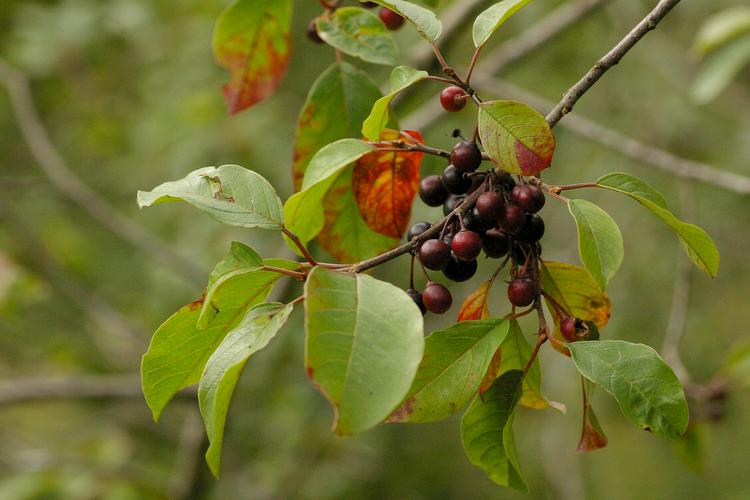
{"points": [[252, 40], [385, 184], [592, 435], [475, 306]]}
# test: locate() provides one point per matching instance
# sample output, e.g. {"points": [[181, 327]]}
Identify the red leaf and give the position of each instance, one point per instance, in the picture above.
{"points": [[475, 305], [385, 184]]}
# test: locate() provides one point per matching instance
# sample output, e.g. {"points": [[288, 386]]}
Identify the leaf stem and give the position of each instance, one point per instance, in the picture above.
{"points": [[287, 272], [474, 59], [298, 300], [302, 248]]}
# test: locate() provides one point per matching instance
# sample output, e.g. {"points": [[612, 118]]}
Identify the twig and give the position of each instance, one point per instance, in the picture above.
{"points": [[185, 481], [287, 272], [610, 59], [72, 187], [298, 243]]}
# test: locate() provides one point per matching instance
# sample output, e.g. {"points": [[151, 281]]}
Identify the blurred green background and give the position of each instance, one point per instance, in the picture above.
{"points": [[130, 95]]}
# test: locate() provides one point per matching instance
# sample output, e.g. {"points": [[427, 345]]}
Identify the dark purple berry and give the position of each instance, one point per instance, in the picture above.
{"points": [[432, 192], [466, 245], [451, 203], [417, 298], [434, 254], [437, 299], [474, 222], [490, 205], [533, 229], [454, 181], [512, 219], [495, 243], [416, 229], [466, 156], [528, 197], [477, 179], [505, 181], [522, 292], [460, 270]]}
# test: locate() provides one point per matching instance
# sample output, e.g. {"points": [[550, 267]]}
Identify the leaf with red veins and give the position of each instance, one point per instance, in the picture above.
{"points": [[385, 184], [475, 306], [252, 40]]}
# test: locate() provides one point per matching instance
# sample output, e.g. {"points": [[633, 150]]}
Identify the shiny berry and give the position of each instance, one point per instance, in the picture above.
{"points": [[453, 98], [466, 156], [474, 222], [432, 192], [573, 329], [416, 229], [460, 270], [512, 219], [477, 179], [528, 198], [312, 32], [466, 245], [392, 20], [434, 254], [533, 229], [437, 298], [495, 243], [522, 292], [490, 205], [454, 181], [506, 181], [451, 203], [417, 298]]}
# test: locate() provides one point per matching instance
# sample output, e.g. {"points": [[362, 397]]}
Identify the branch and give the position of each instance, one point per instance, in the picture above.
{"points": [[612, 57], [69, 185], [185, 480]]}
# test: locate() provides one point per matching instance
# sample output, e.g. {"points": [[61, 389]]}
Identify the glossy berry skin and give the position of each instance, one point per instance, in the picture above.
{"points": [[434, 254], [460, 270], [466, 245], [451, 203], [533, 229], [573, 329], [466, 156], [495, 243], [506, 181], [455, 181], [392, 20], [477, 179], [417, 298], [312, 33], [528, 198], [453, 99], [490, 205], [474, 222], [512, 219], [432, 192], [416, 229], [522, 292], [437, 299]]}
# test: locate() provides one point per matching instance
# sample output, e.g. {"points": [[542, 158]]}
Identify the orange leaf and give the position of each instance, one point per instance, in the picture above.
{"points": [[475, 306], [385, 184]]}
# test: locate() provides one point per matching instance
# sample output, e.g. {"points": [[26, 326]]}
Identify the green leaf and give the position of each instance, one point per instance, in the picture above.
{"points": [[304, 211], [599, 241], [252, 40], [240, 255], [517, 138], [697, 244], [646, 389], [721, 68], [337, 104], [363, 345], [515, 352], [230, 194], [487, 431], [401, 78], [721, 28], [224, 367], [491, 19], [426, 22], [454, 363], [359, 33]]}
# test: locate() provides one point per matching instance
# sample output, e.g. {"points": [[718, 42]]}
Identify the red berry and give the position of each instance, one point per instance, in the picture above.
{"points": [[453, 98], [522, 292], [417, 298], [466, 245], [432, 192], [312, 32], [437, 298], [528, 197], [512, 219], [392, 20], [434, 254], [495, 243], [573, 329], [466, 156], [490, 205]]}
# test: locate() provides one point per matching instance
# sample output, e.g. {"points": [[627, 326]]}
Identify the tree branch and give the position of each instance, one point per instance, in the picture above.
{"points": [[69, 185], [609, 60]]}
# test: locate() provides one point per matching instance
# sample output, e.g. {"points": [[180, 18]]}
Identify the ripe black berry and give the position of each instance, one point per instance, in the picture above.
{"points": [[392, 20], [533, 229], [477, 179], [573, 329], [506, 181], [454, 181], [490, 205], [432, 192], [512, 219], [495, 243], [451, 203], [466, 245], [466, 156], [417, 298], [312, 32], [437, 298], [417, 229], [474, 222], [522, 292], [460, 270], [434, 254], [453, 98], [528, 197]]}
